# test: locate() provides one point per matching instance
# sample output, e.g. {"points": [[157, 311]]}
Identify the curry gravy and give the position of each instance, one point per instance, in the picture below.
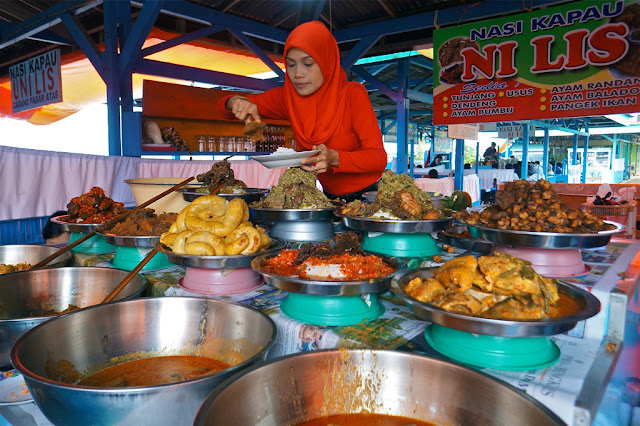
{"points": [[362, 419], [154, 371]]}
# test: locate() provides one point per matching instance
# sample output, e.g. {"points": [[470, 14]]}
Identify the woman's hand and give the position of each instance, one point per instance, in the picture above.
{"points": [[243, 109], [321, 162]]}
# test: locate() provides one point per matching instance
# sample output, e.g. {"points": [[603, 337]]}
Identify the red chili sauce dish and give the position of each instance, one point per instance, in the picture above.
{"points": [[339, 260]]}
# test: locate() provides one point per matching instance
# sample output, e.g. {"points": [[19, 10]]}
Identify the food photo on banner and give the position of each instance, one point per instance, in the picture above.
{"points": [[574, 60]]}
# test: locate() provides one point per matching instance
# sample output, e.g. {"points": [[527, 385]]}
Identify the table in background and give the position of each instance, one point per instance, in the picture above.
{"points": [[446, 185]]}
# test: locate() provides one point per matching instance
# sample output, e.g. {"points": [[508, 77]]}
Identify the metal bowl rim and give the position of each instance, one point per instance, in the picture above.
{"points": [[401, 221], [89, 226], [70, 268], [592, 301], [265, 364], [132, 389], [298, 280], [619, 229], [249, 191], [270, 210], [132, 237], [279, 246], [59, 260]]}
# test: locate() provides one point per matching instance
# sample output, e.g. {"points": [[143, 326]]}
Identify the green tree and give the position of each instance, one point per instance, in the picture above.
{"points": [[469, 153]]}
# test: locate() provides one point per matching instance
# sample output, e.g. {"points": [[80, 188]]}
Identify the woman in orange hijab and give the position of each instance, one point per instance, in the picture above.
{"points": [[326, 112]]}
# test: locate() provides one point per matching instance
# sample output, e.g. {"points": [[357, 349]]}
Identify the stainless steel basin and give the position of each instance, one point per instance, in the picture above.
{"points": [[32, 254], [26, 295], [56, 354], [298, 388]]}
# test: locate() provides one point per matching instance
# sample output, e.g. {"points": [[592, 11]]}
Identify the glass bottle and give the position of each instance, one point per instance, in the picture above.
{"points": [[202, 143], [211, 143]]}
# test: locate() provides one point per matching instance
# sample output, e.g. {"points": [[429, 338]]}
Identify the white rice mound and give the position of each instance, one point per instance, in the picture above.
{"points": [[329, 271], [381, 214], [282, 151]]}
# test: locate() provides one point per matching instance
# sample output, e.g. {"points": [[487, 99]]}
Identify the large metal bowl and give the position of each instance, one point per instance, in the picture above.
{"points": [[588, 304], [299, 388], [32, 254], [251, 195], [294, 284], [24, 296], [545, 240], [59, 352]]}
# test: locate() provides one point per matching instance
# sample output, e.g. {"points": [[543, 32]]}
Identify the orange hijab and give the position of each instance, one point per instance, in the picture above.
{"points": [[316, 117]]}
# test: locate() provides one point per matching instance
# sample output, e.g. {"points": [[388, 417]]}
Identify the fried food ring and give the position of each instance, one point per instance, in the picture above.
{"points": [[173, 229], [199, 248], [180, 225], [246, 239], [203, 237], [265, 240], [168, 238], [178, 244], [204, 212], [205, 219]]}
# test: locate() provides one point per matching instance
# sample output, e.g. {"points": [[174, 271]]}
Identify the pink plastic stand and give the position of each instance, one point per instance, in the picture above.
{"points": [[211, 281], [557, 263]]}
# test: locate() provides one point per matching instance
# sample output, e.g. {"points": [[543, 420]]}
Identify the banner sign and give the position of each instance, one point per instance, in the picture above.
{"points": [[463, 131], [511, 131], [573, 60], [36, 82], [441, 142]]}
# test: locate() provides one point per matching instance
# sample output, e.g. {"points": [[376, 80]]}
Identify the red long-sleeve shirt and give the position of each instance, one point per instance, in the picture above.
{"points": [[358, 140]]}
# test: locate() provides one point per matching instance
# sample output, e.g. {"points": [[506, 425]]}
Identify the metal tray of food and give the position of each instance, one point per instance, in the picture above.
{"points": [[452, 237], [13, 254], [395, 226], [217, 262], [298, 215], [590, 305], [131, 241], [81, 228], [324, 288], [545, 240], [252, 194]]}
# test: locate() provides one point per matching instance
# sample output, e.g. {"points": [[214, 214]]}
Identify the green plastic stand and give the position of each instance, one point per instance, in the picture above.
{"points": [[128, 258], [95, 244], [401, 245], [501, 353], [331, 310]]}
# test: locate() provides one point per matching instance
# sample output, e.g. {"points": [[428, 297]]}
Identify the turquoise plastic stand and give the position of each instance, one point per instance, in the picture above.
{"points": [[502, 353], [401, 245], [128, 258], [95, 244], [331, 310]]}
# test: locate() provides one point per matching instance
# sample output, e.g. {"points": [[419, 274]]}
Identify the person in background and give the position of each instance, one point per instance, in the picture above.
{"points": [[467, 166], [433, 174], [52, 233], [512, 160], [437, 160], [326, 112], [491, 153]]}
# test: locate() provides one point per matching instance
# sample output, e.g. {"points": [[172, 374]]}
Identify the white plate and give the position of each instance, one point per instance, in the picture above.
{"points": [[278, 161], [13, 389]]}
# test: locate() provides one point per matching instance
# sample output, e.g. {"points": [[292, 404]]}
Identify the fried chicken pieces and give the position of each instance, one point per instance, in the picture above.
{"points": [[499, 286], [523, 206]]}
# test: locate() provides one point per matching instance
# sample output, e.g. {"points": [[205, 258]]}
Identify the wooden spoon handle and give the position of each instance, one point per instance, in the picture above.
{"points": [[109, 223], [129, 276]]}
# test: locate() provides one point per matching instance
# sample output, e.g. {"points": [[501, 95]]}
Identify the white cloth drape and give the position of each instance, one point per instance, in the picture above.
{"points": [[38, 183], [446, 186]]}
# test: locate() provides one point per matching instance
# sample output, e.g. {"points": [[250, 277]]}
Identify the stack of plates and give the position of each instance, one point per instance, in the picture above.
{"points": [[278, 161]]}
